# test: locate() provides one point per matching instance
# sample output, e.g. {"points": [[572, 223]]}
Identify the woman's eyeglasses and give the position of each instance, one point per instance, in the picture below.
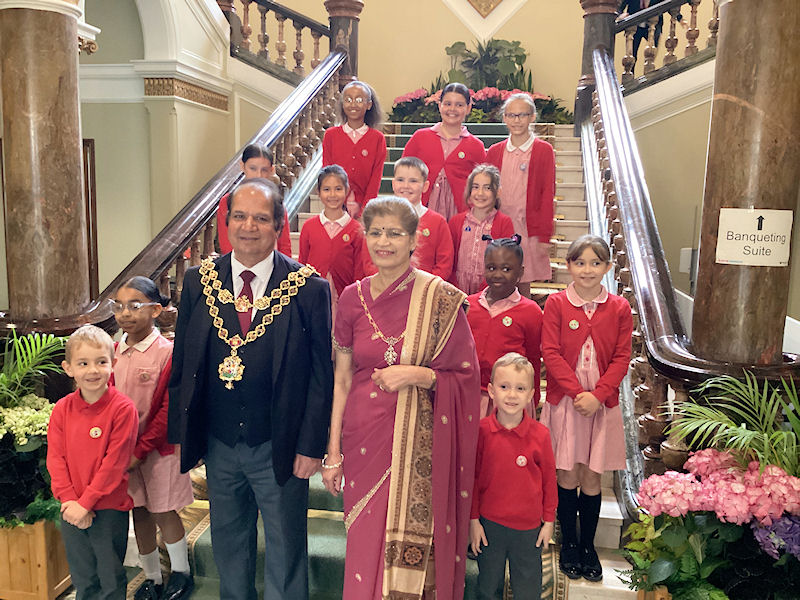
{"points": [[517, 116], [357, 100], [119, 307], [392, 234]]}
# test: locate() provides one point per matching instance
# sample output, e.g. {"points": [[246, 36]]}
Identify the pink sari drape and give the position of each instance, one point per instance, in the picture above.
{"points": [[367, 437]]}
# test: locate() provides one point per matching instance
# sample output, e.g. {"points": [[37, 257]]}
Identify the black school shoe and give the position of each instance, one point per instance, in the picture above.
{"points": [[149, 590], [569, 561], [591, 569], [179, 586]]}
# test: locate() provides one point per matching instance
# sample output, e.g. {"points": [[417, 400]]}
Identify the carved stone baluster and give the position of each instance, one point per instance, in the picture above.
{"points": [[289, 161], [672, 41], [315, 35], [246, 29], [180, 271], [650, 49], [263, 37], [674, 451], [653, 424], [195, 254], [280, 163], [208, 240], [713, 27], [303, 140], [298, 53], [297, 149], [692, 33], [629, 60], [163, 285], [280, 45], [169, 316], [319, 115]]}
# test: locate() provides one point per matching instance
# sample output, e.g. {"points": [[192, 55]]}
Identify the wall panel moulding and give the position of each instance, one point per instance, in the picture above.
{"points": [[484, 17], [170, 86]]}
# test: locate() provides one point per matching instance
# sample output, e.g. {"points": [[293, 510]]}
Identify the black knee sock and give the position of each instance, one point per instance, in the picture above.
{"points": [[589, 514], [567, 515]]}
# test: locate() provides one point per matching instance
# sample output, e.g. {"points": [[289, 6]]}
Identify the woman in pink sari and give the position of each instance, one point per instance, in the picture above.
{"points": [[405, 416]]}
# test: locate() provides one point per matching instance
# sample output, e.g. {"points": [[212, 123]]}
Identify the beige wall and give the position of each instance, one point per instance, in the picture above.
{"points": [[120, 37]]}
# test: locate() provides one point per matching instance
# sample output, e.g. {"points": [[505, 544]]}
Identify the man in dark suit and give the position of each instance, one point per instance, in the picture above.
{"points": [[251, 392]]}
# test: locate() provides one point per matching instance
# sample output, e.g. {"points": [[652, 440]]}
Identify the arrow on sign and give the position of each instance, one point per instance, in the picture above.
{"points": [[760, 223]]}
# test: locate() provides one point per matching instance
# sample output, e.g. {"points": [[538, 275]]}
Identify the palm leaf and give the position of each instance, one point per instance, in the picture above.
{"points": [[25, 360]]}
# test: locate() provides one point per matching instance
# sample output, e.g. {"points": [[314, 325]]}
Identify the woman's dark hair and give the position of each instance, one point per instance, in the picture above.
{"points": [[257, 151], [373, 116], [512, 243], [147, 287], [334, 170], [458, 88]]}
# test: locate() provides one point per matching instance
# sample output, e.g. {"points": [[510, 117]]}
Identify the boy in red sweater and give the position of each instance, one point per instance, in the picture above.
{"points": [[90, 441], [515, 497]]}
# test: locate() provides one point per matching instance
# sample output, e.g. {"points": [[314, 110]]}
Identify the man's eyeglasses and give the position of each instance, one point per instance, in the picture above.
{"points": [[119, 307]]}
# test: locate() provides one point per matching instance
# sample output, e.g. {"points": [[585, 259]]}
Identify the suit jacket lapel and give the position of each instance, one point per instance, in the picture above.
{"points": [[276, 332]]}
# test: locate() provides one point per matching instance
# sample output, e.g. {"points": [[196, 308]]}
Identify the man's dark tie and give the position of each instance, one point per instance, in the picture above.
{"points": [[246, 317]]}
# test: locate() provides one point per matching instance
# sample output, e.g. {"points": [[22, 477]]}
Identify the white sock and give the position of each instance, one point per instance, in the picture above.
{"points": [[179, 556], [151, 564]]}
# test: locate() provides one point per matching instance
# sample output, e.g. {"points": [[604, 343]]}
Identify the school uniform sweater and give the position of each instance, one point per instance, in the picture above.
{"points": [[515, 474], [363, 161], [340, 256], [502, 227], [541, 187], [434, 251], [426, 145], [517, 329], [89, 448], [566, 327]]}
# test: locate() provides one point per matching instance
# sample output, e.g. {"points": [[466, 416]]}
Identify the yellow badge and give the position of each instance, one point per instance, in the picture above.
{"points": [[507, 321], [95, 432], [346, 237], [461, 155], [426, 232], [573, 324], [364, 152], [144, 376], [521, 461]]}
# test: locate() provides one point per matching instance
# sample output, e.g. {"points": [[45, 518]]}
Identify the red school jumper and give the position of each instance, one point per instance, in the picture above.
{"points": [[434, 251], [89, 449], [426, 145], [284, 241], [341, 256], [502, 227], [517, 329], [363, 161], [541, 187], [564, 330]]}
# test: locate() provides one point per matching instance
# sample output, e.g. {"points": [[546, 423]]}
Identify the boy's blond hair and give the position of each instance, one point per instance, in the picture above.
{"points": [[519, 362], [88, 334]]}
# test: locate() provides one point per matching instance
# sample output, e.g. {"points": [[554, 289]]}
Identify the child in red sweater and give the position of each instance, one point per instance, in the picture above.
{"points": [[332, 242], [501, 319], [514, 499], [90, 440], [357, 145], [470, 229], [434, 251], [586, 344], [257, 161]]}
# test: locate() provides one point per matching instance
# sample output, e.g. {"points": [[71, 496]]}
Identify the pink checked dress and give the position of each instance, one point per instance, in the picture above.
{"points": [[597, 441]]}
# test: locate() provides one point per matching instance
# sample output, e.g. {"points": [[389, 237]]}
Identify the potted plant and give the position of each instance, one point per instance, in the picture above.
{"points": [[37, 565]]}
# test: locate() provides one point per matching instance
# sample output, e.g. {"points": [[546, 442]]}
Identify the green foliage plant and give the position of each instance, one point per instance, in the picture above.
{"points": [[755, 421], [497, 63]]}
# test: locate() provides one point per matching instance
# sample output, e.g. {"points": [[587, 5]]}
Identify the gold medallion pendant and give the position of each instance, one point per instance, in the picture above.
{"points": [[230, 370]]}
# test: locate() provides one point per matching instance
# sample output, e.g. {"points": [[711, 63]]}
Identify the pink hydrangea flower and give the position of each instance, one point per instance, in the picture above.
{"points": [[411, 96], [671, 493]]}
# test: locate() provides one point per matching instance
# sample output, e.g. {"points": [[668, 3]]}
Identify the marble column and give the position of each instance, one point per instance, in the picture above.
{"points": [[598, 31], [753, 162], [45, 211], [344, 17]]}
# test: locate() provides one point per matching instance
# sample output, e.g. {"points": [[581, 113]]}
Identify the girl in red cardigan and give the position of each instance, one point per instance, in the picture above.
{"points": [[357, 145], [332, 242], [472, 228], [449, 150], [143, 361], [528, 178], [586, 344], [501, 319]]}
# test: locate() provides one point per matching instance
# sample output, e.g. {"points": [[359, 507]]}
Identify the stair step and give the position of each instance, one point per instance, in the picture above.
{"points": [[571, 230], [566, 143], [569, 174], [611, 588], [571, 209], [570, 191], [569, 158], [295, 237]]}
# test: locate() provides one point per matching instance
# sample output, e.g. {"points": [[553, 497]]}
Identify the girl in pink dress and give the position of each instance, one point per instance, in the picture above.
{"points": [[473, 228], [586, 345], [357, 145], [528, 178], [143, 360]]}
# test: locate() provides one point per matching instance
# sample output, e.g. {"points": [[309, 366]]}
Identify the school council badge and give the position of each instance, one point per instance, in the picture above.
{"points": [[95, 432]]}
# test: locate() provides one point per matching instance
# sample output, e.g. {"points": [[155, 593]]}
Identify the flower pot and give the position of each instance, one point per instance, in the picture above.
{"points": [[33, 563], [660, 593]]}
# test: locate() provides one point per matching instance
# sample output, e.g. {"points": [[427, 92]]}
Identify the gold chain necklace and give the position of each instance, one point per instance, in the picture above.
{"points": [[231, 368], [390, 356]]}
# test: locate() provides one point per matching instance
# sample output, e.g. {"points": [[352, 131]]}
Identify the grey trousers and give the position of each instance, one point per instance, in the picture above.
{"points": [[95, 556], [524, 562]]}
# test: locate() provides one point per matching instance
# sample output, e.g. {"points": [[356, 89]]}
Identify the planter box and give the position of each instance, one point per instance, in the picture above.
{"points": [[660, 593], [33, 563]]}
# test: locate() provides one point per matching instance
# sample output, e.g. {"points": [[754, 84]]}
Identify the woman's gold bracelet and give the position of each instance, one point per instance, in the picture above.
{"points": [[336, 466]]}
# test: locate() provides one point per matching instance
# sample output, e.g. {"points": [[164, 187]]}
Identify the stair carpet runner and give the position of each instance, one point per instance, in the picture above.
{"points": [[326, 533]]}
